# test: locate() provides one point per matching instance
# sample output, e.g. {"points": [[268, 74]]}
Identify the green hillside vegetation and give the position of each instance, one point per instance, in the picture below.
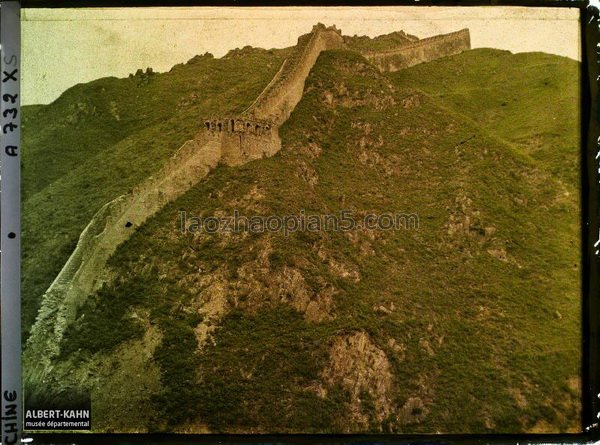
{"points": [[98, 140], [474, 318], [543, 123]]}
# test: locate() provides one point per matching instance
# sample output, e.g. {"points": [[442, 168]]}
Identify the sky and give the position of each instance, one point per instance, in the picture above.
{"points": [[64, 47]]}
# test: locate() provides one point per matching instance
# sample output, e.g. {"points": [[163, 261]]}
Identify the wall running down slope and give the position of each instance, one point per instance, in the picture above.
{"points": [[279, 98], [112, 225], [228, 140], [231, 141], [255, 132]]}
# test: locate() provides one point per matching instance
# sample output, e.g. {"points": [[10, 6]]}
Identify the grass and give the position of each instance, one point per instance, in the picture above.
{"points": [[549, 134], [497, 303]]}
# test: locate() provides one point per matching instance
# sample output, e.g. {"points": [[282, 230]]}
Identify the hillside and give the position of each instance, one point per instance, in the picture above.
{"points": [[468, 324], [498, 104], [115, 132]]}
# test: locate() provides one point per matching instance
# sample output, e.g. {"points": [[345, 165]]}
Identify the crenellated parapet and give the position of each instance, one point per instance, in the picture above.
{"points": [[238, 125], [242, 139], [254, 133]]}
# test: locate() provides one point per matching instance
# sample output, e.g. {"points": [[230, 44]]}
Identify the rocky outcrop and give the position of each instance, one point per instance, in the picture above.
{"points": [[363, 369]]}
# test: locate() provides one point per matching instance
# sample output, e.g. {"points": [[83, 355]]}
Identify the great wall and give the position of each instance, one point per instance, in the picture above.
{"points": [[420, 51], [231, 140]]}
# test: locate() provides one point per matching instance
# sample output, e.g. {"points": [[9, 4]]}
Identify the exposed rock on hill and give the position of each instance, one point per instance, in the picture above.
{"points": [[359, 366]]}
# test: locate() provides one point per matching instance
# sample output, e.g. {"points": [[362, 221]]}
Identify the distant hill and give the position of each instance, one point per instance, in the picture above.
{"points": [[469, 324], [380, 43]]}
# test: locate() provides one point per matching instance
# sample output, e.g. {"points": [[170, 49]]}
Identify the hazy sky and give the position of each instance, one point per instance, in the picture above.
{"points": [[63, 47]]}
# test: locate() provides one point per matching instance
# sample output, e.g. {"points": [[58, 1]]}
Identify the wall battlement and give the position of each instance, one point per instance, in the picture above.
{"points": [[424, 50], [242, 140], [237, 125]]}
